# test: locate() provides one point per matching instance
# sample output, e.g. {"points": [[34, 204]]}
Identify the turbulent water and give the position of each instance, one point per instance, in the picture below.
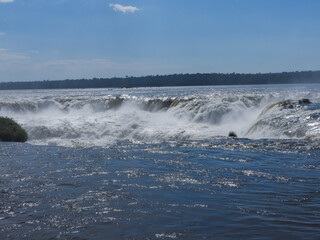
{"points": [[84, 118], [157, 163]]}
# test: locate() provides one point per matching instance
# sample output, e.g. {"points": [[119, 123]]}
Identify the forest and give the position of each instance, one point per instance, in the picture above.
{"points": [[196, 79]]}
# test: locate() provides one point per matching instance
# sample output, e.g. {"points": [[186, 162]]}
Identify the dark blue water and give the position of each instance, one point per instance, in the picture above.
{"points": [[218, 189]]}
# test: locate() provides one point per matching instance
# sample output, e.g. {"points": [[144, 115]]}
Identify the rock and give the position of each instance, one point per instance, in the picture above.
{"points": [[232, 134]]}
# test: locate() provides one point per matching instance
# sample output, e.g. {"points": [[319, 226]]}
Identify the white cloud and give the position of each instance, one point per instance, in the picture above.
{"points": [[2, 34], [6, 1], [124, 9], [7, 56]]}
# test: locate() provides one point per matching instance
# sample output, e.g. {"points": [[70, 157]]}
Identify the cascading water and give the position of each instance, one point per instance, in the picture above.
{"points": [[157, 163], [102, 117]]}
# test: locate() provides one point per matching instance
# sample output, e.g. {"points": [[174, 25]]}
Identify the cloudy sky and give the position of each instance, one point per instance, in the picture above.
{"points": [[60, 39]]}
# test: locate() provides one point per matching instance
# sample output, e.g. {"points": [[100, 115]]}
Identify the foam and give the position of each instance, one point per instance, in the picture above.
{"points": [[101, 118]]}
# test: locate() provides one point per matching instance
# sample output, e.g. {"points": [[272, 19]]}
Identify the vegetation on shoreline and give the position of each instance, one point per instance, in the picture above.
{"points": [[304, 101], [10, 131], [197, 79]]}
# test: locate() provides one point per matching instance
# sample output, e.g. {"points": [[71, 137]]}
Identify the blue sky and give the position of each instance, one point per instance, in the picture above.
{"points": [[60, 39]]}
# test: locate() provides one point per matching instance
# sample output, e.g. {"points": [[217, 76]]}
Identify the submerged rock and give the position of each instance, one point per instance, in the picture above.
{"points": [[10, 131]]}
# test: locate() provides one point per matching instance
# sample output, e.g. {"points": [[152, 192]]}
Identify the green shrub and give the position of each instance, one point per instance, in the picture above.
{"points": [[304, 101], [10, 131]]}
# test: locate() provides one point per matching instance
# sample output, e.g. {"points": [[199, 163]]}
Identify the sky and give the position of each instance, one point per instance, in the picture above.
{"points": [[74, 39]]}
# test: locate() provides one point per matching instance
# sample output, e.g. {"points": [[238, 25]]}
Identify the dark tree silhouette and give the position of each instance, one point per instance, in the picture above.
{"points": [[197, 79]]}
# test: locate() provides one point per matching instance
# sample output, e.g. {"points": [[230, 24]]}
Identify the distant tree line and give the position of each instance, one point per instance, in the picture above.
{"points": [[197, 79]]}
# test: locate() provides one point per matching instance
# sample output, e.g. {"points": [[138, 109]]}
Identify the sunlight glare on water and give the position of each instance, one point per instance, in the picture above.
{"points": [[157, 164]]}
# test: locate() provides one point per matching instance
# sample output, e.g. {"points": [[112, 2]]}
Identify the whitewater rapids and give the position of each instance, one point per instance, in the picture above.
{"points": [[100, 117]]}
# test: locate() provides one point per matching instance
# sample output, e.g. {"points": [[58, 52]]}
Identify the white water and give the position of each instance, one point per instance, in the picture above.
{"points": [[82, 118]]}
